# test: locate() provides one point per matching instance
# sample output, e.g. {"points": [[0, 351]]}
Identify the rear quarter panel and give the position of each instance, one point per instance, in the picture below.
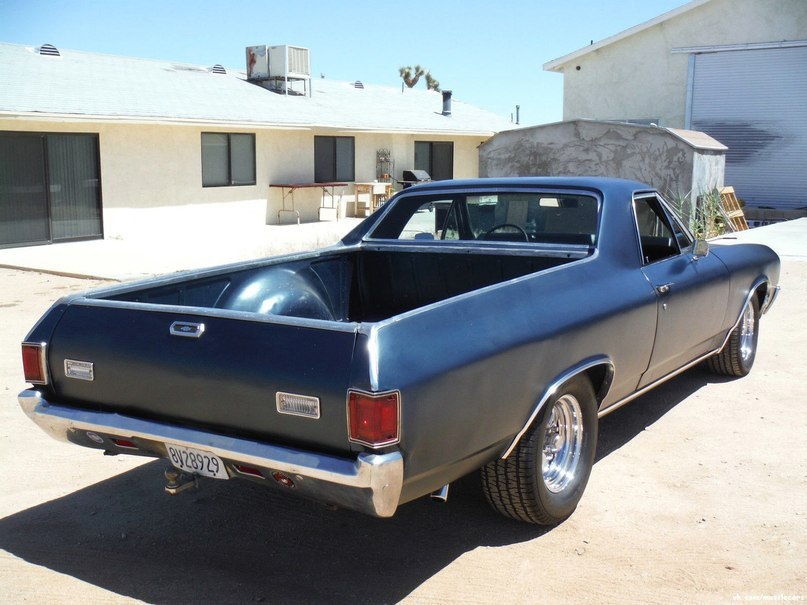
{"points": [[471, 370]]}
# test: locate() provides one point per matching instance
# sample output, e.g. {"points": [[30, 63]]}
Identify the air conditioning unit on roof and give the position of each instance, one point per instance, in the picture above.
{"points": [[289, 62], [257, 63], [278, 68]]}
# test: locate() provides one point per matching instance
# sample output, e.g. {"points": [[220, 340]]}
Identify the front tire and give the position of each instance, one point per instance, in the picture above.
{"points": [[737, 356], [544, 477]]}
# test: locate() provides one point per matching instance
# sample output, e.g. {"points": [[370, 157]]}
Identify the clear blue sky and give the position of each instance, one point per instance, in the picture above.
{"points": [[488, 53]]}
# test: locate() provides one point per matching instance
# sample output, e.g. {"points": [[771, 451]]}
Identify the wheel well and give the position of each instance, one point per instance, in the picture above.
{"points": [[600, 372], [761, 292], [601, 377]]}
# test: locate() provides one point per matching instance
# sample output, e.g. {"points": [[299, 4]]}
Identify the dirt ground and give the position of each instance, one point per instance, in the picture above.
{"points": [[699, 494]]}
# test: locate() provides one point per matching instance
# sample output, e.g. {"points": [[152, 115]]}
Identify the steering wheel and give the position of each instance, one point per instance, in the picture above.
{"points": [[502, 226]]}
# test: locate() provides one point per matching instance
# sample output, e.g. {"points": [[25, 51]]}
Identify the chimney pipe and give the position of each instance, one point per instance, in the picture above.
{"points": [[446, 102]]}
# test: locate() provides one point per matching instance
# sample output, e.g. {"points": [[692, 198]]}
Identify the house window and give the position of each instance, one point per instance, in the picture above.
{"points": [[436, 158], [50, 188], [334, 159], [228, 159]]}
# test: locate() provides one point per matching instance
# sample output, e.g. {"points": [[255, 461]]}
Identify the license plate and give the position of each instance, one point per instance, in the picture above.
{"points": [[197, 462]]}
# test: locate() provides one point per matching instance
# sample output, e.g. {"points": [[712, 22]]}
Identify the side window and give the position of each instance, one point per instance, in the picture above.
{"points": [[432, 220], [682, 234], [656, 236]]}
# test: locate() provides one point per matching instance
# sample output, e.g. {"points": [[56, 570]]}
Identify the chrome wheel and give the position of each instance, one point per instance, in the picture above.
{"points": [[747, 333], [740, 349], [563, 441], [543, 478]]}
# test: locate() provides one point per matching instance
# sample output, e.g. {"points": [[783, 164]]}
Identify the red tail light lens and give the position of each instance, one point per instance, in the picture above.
{"points": [[248, 470], [125, 443], [374, 419], [33, 363]]}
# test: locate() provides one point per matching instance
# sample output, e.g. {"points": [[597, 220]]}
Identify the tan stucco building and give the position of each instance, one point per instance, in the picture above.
{"points": [[104, 146], [734, 69]]}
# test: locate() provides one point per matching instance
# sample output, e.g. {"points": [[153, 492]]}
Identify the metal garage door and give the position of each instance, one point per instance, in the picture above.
{"points": [[755, 103]]}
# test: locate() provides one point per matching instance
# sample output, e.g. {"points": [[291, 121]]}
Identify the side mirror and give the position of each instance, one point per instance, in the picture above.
{"points": [[700, 249]]}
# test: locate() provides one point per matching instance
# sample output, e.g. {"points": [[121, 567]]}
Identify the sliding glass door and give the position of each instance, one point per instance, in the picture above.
{"points": [[50, 188]]}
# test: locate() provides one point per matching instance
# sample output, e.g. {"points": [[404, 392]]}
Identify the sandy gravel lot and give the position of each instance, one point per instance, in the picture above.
{"points": [[699, 494]]}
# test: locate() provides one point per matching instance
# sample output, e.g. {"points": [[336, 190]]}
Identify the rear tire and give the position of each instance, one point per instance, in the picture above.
{"points": [[737, 356], [544, 477]]}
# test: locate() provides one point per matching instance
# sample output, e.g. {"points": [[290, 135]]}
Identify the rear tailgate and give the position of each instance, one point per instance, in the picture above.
{"points": [[224, 376]]}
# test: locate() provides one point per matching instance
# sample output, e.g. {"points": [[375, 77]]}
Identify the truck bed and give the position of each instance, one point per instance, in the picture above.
{"points": [[364, 285]]}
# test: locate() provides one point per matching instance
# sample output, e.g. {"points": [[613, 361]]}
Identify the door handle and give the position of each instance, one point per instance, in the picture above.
{"points": [[663, 288]]}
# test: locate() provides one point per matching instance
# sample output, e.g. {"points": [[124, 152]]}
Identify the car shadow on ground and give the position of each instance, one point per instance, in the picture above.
{"points": [[228, 543], [623, 424]]}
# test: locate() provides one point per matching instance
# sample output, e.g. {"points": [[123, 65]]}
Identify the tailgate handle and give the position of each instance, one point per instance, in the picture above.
{"points": [[187, 329]]}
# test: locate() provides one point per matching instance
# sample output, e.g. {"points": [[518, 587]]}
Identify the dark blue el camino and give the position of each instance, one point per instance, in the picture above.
{"points": [[466, 324]]}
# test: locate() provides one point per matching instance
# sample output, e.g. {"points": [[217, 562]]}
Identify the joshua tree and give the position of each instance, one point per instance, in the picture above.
{"points": [[411, 76], [409, 79], [431, 83]]}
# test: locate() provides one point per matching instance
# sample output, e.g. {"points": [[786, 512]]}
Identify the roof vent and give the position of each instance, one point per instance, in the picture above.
{"points": [[446, 102], [217, 69], [358, 84], [49, 50]]}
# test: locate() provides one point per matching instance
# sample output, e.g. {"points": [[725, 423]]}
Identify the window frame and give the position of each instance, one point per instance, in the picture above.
{"points": [[393, 221], [430, 167], [669, 219], [230, 181], [333, 170], [44, 139]]}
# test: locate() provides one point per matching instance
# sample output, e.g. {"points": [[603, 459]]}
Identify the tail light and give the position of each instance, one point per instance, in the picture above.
{"points": [[248, 470], [125, 443], [34, 364], [374, 419]]}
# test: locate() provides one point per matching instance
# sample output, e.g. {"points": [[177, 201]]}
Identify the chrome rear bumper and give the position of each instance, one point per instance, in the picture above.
{"points": [[369, 484]]}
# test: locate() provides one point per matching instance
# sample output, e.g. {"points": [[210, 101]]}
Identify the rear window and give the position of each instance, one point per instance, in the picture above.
{"points": [[527, 217]]}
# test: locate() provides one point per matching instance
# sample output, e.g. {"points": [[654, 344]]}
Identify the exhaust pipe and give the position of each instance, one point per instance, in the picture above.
{"points": [[441, 495]]}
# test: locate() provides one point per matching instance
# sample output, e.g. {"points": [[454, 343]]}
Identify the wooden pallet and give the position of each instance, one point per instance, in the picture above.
{"points": [[732, 211]]}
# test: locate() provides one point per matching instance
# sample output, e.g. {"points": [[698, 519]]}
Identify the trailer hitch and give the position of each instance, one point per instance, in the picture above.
{"points": [[179, 481]]}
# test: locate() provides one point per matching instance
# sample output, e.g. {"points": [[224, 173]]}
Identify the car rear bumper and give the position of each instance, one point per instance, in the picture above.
{"points": [[370, 484]]}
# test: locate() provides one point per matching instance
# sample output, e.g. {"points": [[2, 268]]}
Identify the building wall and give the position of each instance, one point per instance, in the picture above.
{"points": [[708, 172], [640, 78], [583, 148], [300, 166], [151, 174]]}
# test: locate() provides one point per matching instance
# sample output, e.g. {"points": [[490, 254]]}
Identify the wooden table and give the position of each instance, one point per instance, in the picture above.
{"points": [[378, 192], [328, 190]]}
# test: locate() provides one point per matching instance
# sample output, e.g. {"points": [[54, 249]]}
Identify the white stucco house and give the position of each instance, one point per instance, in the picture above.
{"points": [[94, 145], [734, 69]]}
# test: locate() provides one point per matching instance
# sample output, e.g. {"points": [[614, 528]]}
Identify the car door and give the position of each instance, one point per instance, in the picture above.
{"points": [[691, 291]]}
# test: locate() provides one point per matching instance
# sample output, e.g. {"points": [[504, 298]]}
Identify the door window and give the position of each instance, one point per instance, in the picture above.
{"points": [[656, 236]]}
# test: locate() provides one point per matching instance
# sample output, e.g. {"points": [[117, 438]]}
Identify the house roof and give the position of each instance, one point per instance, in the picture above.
{"points": [[86, 86], [558, 64]]}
